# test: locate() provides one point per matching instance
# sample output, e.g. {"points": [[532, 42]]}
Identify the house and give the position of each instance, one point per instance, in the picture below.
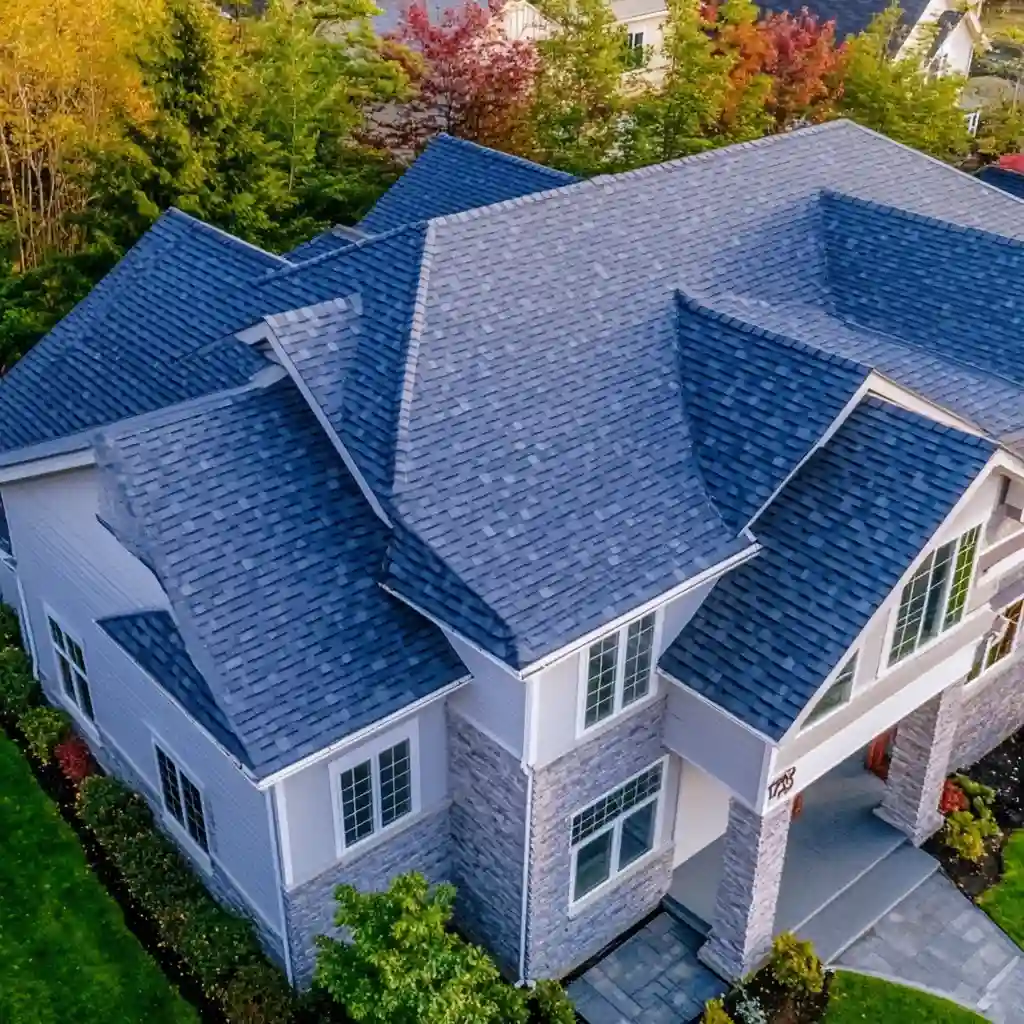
{"points": [[1006, 174], [575, 542]]}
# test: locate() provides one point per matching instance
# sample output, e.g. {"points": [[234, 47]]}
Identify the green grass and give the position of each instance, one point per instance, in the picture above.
{"points": [[856, 999], [1004, 902], [66, 956]]}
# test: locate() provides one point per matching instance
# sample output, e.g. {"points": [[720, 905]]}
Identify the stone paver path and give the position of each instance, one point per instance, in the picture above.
{"points": [[937, 939], [654, 977]]}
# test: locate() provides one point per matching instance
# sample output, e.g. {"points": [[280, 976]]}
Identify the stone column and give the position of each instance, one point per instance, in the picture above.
{"points": [[920, 761], [742, 931]]}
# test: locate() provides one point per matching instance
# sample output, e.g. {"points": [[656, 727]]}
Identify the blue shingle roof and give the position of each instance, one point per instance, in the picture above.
{"points": [[326, 242], [152, 640], [853, 16], [1008, 181], [453, 175], [153, 332], [835, 543], [270, 557], [757, 402]]}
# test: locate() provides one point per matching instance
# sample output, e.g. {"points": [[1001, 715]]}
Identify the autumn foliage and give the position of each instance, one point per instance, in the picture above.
{"points": [[73, 758]]}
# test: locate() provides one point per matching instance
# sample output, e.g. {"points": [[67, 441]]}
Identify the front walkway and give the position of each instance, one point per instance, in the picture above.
{"points": [[654, 977], [937, 939]]}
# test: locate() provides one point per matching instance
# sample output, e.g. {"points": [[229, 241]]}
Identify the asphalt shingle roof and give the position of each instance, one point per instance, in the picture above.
{"points": [[835, 543], [152, 640], [327, 241], [453, 175], [270, 556], [853, 16]]}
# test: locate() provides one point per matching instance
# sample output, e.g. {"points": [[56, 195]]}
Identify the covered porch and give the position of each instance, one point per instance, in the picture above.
{"points": [[844, 867]]}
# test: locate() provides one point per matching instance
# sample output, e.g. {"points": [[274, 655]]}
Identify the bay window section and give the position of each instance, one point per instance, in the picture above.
{"points": [[935, 598]]}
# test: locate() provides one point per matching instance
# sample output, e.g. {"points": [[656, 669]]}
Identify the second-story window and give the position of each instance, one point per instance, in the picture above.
{"points": [[936, 596], [836, 695], [634, 54], [619, 670], [74, 679]]}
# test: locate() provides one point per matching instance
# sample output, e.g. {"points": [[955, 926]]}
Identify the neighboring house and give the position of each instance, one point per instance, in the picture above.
{"points": [[553, 538], [1007, 174]]}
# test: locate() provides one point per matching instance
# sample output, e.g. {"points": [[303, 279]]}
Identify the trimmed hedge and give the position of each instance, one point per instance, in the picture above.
{"points": [[219, 948]]}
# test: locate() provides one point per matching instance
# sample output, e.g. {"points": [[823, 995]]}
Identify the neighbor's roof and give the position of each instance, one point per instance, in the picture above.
{"points": [[853, 16], [835, 543], [270, 557]]}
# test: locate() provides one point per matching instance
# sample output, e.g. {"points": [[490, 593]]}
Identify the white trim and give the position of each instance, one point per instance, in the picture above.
{"points": [[363, 734], [269, 797], [284, 827], [48, 464], [202, 857], [370, 753], [722, 711], [26, 626], [576, 906], [584, 731]]}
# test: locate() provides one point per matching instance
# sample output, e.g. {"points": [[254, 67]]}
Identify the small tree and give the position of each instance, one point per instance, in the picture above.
{"points": [[403, 965]]}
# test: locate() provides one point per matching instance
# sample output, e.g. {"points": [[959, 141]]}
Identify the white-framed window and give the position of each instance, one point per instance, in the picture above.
{"points": [[935, 597], [374, 789], [634, 55], [838, 694], [1001, 643], [618, 670], [72, 674], [616, 831], [182, 799]]}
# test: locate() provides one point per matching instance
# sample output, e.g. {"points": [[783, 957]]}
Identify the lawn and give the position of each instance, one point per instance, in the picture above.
{"points": [[65, 953], [856, 999], [1004, 902]]}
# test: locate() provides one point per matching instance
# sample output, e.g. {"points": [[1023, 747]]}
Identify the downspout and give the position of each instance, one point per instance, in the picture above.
{"points": [[279, 877], [526, 767]]}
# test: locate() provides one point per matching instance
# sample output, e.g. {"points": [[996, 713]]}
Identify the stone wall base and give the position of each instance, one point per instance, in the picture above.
{"points": [[993, 710]]}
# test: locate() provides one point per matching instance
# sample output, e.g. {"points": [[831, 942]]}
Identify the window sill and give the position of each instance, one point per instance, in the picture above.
{"points": [[896, 666], [585, 903], [195, 853], [87, 726], [600, 728], [980, 681]]}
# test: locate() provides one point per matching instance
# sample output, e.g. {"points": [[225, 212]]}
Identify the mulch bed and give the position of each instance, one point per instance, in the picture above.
{"points": [[780, 1005], [62, 792]]}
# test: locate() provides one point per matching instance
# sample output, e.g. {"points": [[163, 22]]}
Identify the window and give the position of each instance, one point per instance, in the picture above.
{"points": [[1001, 644], [615, 831], [935, 598], [836, 695], [375, 793], [182, 800], [74, 680], [634, 53], [619, 670]]}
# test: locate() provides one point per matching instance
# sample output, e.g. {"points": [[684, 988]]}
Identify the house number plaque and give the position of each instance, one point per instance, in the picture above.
{"points": [[782, 785]]}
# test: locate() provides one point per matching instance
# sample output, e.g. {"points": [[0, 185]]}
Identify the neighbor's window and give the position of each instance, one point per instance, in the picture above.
{"points": [[634, 53], [836, 695], [74, 679], [182, 800], [619, 670], [1000, 644], [935, 598], [376, 792], [613, 832]]}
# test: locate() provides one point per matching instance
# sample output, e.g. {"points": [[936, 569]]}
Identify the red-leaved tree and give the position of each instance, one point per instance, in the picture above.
{"points": [[805, 65], [469, 79]]}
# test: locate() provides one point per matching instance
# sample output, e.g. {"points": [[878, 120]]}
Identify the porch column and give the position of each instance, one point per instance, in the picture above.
{"points": [[920, 762], [755, 849]]}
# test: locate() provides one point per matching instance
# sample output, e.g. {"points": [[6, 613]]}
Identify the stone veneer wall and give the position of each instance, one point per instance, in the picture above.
{"points": [[991, 712], [488, 824], [556, 941], [216, 881], [423, 845]]}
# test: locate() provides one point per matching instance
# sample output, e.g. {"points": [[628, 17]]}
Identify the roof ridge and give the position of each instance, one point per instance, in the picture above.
{"points": [[520, 161], [221, 234]]}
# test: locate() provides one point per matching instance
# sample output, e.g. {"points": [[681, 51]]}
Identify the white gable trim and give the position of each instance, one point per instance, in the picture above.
{"points": [[48, 465]]}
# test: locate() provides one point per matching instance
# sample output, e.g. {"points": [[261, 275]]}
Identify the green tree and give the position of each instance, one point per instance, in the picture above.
{"points": [[403, 965], [897, 97], [578, 98]]}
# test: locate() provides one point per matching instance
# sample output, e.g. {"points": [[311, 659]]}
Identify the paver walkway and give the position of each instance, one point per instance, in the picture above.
{"points": [[654, 977], [938, 939]]}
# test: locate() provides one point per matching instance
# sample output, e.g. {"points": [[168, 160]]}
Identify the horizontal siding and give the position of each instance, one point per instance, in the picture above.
{"points": [[68, 561]]}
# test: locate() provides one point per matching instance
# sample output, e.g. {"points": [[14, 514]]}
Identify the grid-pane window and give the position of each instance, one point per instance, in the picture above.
{"points": [[182, 800], [935, 597], [836, 695], [614, 831], [376, 792], [634, 51], [71, 670], [619, 668], [1002, 643]]}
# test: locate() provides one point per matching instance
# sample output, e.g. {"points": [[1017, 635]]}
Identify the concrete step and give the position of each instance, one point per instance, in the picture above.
{"points": [[673, 907], [839, 924]]}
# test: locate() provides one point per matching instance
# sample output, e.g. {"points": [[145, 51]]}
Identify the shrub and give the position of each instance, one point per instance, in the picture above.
{"points": [[795, 965], [18, 689], [43, 729], [216, 944], [113, 812], [748, 1008], [73, 759], [968, 828], [715, 1013], [10, 627], [550, 1005], [403, 965], [953, 798], [257, 994]]}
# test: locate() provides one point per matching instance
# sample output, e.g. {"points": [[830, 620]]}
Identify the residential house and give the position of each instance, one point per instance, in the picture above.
{"points": [[570, 541]]}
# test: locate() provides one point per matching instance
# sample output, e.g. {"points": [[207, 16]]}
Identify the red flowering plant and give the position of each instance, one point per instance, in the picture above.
{"points": [[953, 798], [73, 758]]}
